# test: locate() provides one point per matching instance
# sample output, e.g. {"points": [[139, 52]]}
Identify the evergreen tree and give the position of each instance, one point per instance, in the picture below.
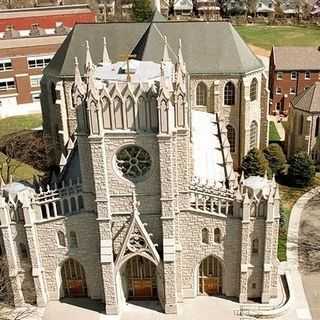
{"points": [[254, 163], [301, 169], [276, 158], [141, 10]]}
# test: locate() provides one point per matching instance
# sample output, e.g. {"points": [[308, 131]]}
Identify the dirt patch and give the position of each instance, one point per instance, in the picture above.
{"points": [[260, 51]]}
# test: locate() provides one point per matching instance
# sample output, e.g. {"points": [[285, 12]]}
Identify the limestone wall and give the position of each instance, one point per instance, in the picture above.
{"points": [[87, 253]]}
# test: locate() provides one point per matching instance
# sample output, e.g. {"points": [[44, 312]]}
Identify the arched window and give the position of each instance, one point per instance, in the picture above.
{"points": [[66, 206], [254, 89], [253, 211], [61, 239], [154, 114], [231, 135], [73, 240], [106, 113], [316, 132], [217, 235], [118, 115], [130, 114], [23, 251], [201, 94], [80, 202], [44, 211], [73, 205], [205, 235], [255, 246], [142, 113], [301, 125], [253, 134], [229, 94]]}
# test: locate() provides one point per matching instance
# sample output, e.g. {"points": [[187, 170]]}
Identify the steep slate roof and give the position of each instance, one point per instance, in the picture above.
{"points": [[309, 100], [208, 47], [296, 58]]}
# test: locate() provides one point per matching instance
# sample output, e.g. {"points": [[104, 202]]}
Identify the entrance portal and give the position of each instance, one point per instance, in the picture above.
{"points": [[210, 276], [141, 275], [73, 279]]}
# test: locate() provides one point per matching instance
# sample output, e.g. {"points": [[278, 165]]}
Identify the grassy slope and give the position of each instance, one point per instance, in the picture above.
{"points": [[273, 132], [15, 125], [267, 36]]}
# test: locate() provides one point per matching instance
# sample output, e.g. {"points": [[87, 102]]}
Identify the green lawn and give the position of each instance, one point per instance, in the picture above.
{"points": [[267, 36], [15, 125], [19, 123], [273, 132]]}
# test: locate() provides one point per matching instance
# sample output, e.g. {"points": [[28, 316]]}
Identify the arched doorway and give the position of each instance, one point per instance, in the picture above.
{"points": [[139, 279], [73, 279], [210, 276]]}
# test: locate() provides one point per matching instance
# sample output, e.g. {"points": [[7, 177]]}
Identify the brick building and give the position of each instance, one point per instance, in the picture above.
{"points": [[29, 39], [292, 70]]}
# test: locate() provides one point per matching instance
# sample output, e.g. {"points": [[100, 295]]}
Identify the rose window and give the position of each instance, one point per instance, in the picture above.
{"points": [[133, 161]]}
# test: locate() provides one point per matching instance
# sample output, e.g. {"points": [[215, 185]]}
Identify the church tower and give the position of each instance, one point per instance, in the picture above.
{"points": [[130, 132]]}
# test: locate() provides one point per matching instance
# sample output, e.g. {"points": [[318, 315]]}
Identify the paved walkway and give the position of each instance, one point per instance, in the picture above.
{"points": [[309, 253], [300, 303], [200, 308]]}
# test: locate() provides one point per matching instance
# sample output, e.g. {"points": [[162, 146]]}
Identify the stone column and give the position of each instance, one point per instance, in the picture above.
{"points": [[245, 255], [168, 221], [11, 254], [37, 270], [98, 153]]}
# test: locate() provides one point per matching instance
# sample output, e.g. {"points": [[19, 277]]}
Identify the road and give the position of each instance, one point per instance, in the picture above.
{"points": [[309, 254]]}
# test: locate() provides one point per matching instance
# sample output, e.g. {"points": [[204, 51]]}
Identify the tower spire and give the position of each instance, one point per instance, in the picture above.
{"points": [[165, 57], [180, 56], [77, 75], [89, 63], [105, 54]]}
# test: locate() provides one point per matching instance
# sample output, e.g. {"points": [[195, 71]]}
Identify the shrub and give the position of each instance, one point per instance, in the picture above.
{"points": [[254, 163], [301, 169], [141, 10], [276, 158]]}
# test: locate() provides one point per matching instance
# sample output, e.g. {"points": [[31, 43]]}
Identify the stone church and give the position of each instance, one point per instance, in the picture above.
{"points": [[147, 123]]}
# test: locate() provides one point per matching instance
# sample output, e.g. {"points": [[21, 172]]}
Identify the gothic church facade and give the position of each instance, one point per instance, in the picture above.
{"points": [[146, 203]]}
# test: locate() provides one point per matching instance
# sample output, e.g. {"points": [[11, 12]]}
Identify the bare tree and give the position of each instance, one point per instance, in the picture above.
{"points": [[8, 166]]}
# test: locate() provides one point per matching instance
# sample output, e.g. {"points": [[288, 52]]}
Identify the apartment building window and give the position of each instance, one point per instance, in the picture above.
{"points": [[7, 84], [279, 75], [38, 62], [292, 90], [36, 97], [307, 75], [294, 75], [35, 81], [5, 65], [278, 90]]}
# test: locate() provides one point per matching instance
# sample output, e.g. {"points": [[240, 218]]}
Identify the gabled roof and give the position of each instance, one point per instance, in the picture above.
{"points": [[296, 58], [309, 100], [208, 47]]}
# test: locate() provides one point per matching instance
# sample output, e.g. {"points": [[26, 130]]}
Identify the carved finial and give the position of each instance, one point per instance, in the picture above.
{"points": [[246, 197], [180, 56], [242, 177], [165, 57], [89, 64], [105, 54], [10, 178], [77, 75]]}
